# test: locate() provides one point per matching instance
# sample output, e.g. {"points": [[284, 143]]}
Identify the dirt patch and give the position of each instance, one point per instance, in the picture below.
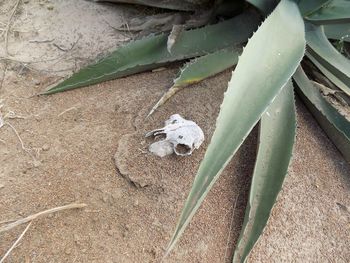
{"points": [[72, 140]]}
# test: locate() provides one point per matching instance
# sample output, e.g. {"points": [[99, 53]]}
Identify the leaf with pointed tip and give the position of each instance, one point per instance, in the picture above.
{"points": [[151, 52], [334, 79], [336, 126], [328, 56], [333, 11], [199, 69], [276, 137], [279, 46]]}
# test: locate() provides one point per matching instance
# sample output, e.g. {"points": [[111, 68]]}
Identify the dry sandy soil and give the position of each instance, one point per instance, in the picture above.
{"points": [[88, 146]]}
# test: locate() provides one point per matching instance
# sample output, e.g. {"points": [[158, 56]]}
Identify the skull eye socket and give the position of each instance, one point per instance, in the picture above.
{"points": [[182, 149], [160, 136]]}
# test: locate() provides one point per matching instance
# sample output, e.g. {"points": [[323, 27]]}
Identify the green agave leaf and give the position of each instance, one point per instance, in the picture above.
{"points": [[151, 52], [227, 8], [336, 126], [326, 54], [307, 6], [267, 62], [341, 85], [169, 4], [199, 69], [265, 6], [338, 31], [276, 137], [332, 11]]}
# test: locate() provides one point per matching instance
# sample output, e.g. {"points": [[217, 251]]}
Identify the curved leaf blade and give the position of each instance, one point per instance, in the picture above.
{"points": [[265, 6], [341, 85], [307, 6], [338, 31], [276, 137], [336, 126], [279, 44], [151, 52], [199, 69], [170, 4], [323, 51], [333, 11]]}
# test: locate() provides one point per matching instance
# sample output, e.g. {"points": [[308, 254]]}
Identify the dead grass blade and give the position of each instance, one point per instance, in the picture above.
{"points": [[40, 214], [15, 244]]}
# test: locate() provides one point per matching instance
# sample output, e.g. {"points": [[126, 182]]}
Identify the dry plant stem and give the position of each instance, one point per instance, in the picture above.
{"points": [[229, 232], [7, 221], [20, 140], [15, 244], [40, 214], [69, 109], [3, 76], [9, 25]]}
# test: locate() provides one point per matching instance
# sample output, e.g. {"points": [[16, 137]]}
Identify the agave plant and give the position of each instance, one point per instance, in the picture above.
{"points": [[274, 56]]}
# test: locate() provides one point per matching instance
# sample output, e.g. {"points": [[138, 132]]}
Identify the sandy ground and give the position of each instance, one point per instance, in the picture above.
{"points": [[88, 146]]}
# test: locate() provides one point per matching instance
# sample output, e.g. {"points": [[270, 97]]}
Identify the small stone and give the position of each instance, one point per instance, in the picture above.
{"points": [[76, 237], [36, 82], [153, 252], [49, 7], [68, 251], [51, 215], [2, 186], [110, 232], [36, 163], [105, 198], [45, 147], [125, 234], [26, 1], [161, 148]]}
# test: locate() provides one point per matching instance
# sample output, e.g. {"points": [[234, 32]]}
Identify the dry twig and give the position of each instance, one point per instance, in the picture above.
{"points": [[38, 215], [15, 244], [27, 150], [3, 76], [8, 26]]}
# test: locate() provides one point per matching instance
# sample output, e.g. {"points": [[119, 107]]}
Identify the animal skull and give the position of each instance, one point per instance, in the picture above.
{"points": [[181, 136]]}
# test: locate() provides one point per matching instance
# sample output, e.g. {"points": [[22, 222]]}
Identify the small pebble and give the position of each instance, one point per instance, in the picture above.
{"points": [[76, 237], [105, 198], [125, 234], [2, 186], [50, 7], [36, 82], [45, 147], [36, 163], [51, 215]]}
